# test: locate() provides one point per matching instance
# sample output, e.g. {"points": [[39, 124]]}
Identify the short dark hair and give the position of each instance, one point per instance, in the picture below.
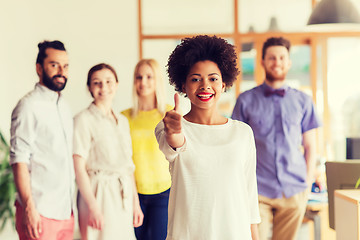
{"points": [[99, 67], [275, 41], [45, 45], [201, 48]]}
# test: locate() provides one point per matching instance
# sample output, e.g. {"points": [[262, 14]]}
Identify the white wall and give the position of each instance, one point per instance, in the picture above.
{"points": [[92, 31]]}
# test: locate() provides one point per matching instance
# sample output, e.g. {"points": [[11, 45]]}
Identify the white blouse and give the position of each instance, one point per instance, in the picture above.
{"points": [[214, 191], [105, 144]]}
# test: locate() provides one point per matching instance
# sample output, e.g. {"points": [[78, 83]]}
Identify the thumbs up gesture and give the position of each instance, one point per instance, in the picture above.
{"points": [[172, 123]]}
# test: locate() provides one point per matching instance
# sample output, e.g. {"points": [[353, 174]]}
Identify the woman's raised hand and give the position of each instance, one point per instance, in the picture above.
{"points": [[172, 125]]}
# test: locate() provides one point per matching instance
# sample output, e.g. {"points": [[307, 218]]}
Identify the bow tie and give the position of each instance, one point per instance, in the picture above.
{"points": [[279, 92]]}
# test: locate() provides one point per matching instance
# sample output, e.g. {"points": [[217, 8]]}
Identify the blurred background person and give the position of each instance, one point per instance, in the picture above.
{"points": [[284, 122], [152, 170], [40, 153], [108, 204]]}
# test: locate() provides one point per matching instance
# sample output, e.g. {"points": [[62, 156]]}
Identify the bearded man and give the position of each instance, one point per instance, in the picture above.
{"points": [[41, 151], [283, 120]]}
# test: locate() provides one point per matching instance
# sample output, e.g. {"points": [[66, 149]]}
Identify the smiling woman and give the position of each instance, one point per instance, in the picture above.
{"points": [[103, 85], [212, 158], [204, 84], [107, 200]]}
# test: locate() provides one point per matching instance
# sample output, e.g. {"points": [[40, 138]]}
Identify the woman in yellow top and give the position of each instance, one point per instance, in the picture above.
{"points": [[152, 170]]}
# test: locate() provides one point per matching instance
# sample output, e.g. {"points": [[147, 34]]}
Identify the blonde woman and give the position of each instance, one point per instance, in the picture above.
{"points": [[152, 170], [108, 203]]}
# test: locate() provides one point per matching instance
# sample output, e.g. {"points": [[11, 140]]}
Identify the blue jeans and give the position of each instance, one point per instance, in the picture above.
{"points": [[155, 209]]}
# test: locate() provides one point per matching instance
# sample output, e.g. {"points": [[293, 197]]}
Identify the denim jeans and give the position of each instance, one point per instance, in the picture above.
{"points": [[155, 209]]}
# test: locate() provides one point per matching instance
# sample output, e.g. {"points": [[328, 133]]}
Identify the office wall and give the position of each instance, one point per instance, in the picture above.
{"points": [[92, 31]]}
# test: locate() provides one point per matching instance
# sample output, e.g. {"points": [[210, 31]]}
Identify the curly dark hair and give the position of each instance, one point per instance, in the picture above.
{"points": [[201, 48], [275, 41]]}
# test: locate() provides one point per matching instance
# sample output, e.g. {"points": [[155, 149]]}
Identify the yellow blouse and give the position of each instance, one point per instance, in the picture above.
{"points": [[151, 168]]}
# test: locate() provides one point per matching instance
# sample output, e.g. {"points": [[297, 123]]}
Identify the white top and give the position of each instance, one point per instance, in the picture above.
{"points": [[105, 144], [214, 191], [41, 137]]}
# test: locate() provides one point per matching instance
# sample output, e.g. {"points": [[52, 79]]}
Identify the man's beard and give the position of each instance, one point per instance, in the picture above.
{"points": [[50, 82], [271, 78]]}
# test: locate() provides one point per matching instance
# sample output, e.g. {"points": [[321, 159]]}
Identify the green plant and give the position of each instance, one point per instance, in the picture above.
{"points": [[7, 186], [357, 183]]}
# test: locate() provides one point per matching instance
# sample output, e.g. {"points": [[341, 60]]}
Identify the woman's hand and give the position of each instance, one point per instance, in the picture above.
{"points": [[96, 218], [138, 215], [172, 125]]}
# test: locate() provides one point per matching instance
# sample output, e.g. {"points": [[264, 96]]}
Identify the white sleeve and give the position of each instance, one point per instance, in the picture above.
{"points": [[250, 171], [23, 133], [169, 152]]}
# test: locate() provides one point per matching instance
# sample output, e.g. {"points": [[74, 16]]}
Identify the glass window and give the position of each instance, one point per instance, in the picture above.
{"points": [[227, 102], [299, 73], [228, 98], [343, 93], [356, 4], [248, 61]]}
